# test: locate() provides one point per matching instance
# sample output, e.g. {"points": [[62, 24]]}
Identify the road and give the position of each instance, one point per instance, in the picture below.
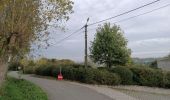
{"points": [[65, 90], [62, 90]]}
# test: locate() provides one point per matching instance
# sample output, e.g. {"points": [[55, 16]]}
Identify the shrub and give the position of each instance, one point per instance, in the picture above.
{"points": [[88, 75], [55, 71], [147, 76], [125, 74], [167, 79], [84, 75], [44, 70], [103, 68], [13, 66], [76, 74], [106, 78]]}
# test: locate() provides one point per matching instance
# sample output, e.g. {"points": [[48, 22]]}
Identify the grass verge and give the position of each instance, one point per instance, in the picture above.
{"points": [[14, 89]]}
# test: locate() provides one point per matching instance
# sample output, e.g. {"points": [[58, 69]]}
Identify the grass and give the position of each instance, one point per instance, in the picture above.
{"points": [[14, 89]]}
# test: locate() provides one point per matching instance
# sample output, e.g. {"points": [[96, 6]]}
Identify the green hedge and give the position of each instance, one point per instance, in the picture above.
{"points": [[105, 77], [167, 80], [148, 77], [125, 74], [44, 70], [143, 76], [89, 75]]}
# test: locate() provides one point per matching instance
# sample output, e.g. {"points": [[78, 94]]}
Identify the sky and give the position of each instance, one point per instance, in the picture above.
{"points": [[147, 35]]}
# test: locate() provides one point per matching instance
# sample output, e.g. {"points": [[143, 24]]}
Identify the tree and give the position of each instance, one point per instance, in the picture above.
{"points": [[109, 46], [153, 64], [24, 22]]}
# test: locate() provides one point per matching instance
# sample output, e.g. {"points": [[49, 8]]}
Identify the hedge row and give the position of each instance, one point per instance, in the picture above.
{"points": [[148, 77], [144, 76], [151, 77], [89, 75], [119, 75], [125, 74]]}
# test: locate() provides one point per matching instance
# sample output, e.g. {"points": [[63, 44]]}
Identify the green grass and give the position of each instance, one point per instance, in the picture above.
{"points": [[14, 89]]}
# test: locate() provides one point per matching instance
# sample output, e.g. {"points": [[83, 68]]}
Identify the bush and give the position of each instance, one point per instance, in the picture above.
{"points": [[144, 76], [167, 80], [103, 68], [84, 75], [13, 66], [106, 78], [28, 66], [125, 74], [88, 75], [147, 77], [44, 70]]}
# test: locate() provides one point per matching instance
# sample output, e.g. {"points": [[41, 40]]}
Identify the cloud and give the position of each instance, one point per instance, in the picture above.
{"points": [[153, 54], [150, 47], [156, 41], [148, 35]]}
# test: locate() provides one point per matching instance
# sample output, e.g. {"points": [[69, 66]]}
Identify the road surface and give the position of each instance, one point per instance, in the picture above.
{"points": [[65, 90], [62, 90]]}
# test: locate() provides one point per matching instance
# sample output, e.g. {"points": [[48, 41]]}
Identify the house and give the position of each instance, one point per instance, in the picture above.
{"points": [[164, 64]]}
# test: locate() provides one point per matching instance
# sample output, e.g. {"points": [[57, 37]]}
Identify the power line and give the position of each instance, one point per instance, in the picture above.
{"points": [[69, 35], [124, 13], [143, 13], [138, 15], [118, 16], [116, 22]]}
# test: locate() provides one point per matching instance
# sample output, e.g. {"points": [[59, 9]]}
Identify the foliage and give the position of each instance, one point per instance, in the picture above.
{"points": [[167, 79], [125, 74], [28, 66], [23, 22], [109, 46], [14, 89], [154, 64], [144, 76], [13, 66], [42, 61], [106, 78], [148, 76], [45, 70], [65, 62], [45, 61], [89, 75], [131, 75]]}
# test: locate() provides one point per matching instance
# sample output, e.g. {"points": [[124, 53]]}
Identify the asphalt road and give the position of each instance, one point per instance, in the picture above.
{"points": [[63, 90]]}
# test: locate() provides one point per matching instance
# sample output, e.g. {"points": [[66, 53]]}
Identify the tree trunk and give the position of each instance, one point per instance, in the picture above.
{"points": [[3, 71]]}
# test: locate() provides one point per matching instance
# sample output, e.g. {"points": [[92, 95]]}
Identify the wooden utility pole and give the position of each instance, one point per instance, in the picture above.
{"points": [[85, 58]]}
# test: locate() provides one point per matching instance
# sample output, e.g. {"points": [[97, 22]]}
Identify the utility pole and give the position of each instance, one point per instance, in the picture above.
{"points": [[85, 58]]}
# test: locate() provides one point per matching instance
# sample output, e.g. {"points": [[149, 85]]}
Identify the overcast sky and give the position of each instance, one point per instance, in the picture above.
{"points": [[147, 35]]}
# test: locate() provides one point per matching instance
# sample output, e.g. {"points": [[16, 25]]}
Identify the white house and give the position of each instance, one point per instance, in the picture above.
{"points": [[164, 64]]}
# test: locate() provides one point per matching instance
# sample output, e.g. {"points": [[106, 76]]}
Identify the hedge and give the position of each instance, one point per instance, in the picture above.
{"points": [[143, 76], [88, 75], [167, 79], [148, 77], [125, 74]]}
